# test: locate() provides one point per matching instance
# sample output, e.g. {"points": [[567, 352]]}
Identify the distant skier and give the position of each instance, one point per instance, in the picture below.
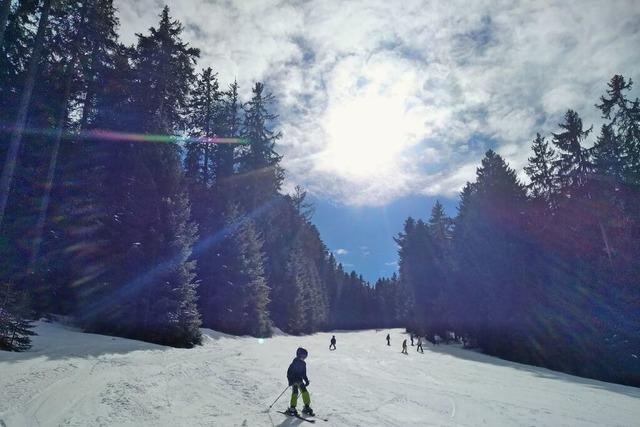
{"points": [[297, 376], [404, 346], [333, 343], [411, 339], [419, 348], [436, 339], [388, 340]]}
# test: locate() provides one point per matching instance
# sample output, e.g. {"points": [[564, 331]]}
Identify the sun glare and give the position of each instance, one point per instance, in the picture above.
{"points": [[367, 135]]}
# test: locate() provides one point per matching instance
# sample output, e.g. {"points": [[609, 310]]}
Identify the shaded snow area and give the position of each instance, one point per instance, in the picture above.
{"points": [[75, 379]]}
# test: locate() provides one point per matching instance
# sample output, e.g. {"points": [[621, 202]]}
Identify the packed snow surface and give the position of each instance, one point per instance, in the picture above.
{"points": [[75, 379]]}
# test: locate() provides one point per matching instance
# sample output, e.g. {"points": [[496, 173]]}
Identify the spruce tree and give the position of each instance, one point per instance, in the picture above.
{"points": [[542, 169], [229, 127], [406, 296], [624, 116], [608, 155], [5, 9], [574, 163], [489, 254], [211, 203], [148, 289], [259, 161], [439, 223], [440, 269], [241, 295], [15, 328], [205, 110], [11, 159], [296, 291]]}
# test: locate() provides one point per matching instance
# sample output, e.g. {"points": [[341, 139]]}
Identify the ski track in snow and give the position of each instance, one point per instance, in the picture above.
{"points": [[70, 378]]}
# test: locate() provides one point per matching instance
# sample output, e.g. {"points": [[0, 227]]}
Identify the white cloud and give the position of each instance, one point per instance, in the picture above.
{"points": [[382, 99], [341, 251]]}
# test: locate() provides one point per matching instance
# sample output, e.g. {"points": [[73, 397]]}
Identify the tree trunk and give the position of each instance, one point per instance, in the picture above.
{"points": [[13, 335], [5, 8], [206, 145], [16, 136], [44, 203], [62, 119], [607, 247]]}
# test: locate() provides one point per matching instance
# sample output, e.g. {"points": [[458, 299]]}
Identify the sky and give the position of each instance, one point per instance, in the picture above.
{"points": [[385, 107]]}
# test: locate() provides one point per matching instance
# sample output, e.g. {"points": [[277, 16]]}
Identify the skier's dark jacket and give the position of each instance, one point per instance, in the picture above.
{"points": [[297, 372]]}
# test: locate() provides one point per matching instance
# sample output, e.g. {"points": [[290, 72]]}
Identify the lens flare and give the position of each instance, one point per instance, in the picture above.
{"points": [[110, 135]]}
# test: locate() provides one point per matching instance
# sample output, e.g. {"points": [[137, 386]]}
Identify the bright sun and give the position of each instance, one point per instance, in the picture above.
{"points": [[367, 134]]}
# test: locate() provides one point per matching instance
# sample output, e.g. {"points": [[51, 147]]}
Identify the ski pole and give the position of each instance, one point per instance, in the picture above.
{"points": [[274, 402]]}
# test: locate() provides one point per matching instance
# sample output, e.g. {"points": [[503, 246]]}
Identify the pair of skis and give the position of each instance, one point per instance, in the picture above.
{"points": [[300, 417]]}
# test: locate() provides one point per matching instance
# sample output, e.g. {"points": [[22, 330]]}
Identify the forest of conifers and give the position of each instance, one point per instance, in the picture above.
{"points": [[117, 209]]}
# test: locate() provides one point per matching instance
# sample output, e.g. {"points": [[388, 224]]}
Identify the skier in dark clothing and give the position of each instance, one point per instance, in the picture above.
{"points": [[388, 340], [411, 340], [297, 376], [333, 343], [404, 346]]}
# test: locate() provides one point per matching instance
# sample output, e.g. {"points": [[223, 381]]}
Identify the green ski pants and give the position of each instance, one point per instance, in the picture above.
{"points": [[294, 395]]}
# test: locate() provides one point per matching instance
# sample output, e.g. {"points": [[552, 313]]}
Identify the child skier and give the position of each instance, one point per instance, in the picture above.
{"points": [[388, 340], [333, 343], [404, 346], [297, 376]]}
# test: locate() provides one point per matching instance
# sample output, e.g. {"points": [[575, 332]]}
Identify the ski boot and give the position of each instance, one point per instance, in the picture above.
{"points": [[291, 411], [308, 411]]}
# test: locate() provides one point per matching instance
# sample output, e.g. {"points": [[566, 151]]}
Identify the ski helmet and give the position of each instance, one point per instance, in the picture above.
{"points": [[301, 352]]}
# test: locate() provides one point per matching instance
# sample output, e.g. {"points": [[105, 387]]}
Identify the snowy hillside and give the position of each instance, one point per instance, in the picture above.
{"points": [[75, 379]]}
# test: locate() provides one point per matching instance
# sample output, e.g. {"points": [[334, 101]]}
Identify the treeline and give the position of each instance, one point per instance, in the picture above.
{"points": [[122, 212], [545, 273]]}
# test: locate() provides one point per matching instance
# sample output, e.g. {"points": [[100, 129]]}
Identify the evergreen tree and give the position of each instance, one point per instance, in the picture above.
{"points": [[102, 58], [624, 116], [490, 255], [239, 304], [230, 127], [16, 46], [5, 9], [16, 136], [256, 291], [384, 299], [574, 163], [204, 121], [150, 222], [165, 73], [220, 113], [439, 223], [406, 298], [297, 285], [302, 207], [15, 329], [608, 155], [74, 24], [542, 169], [259, 162], [440, 270]]}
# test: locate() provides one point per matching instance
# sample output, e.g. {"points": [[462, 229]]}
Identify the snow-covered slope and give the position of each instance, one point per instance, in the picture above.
{"points": [[75, 379]]}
